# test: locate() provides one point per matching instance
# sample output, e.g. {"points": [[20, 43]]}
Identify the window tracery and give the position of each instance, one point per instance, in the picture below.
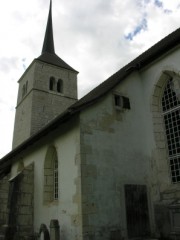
{"points": [[171, 115], [51, 175]]}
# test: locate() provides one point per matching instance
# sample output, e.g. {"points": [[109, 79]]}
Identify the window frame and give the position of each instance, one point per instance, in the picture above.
{"points": [[60, 86], [55, 177], [121, 102], [170, 112], [51, 176]]}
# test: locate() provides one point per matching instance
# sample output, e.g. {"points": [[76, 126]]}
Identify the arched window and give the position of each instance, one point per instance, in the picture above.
{"points": [[171, 115], [51, 83], [51, 175], [60, 86]]}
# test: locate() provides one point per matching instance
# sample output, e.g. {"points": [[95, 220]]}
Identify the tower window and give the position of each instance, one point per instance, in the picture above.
{"points": [[51, 83], [26, 86], [24, 89], [60, 86], [171, 110]]}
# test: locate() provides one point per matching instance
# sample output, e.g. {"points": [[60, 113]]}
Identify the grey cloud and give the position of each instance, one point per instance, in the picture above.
{"points": [[93, 32], [7, 63]]}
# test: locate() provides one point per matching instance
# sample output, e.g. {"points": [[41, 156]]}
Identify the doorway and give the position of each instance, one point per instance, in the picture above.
{"points": [[137, 213]]}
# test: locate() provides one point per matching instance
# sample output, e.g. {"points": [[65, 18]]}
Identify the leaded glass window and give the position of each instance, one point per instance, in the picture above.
{"points": [[56, 179], [171, 114]]}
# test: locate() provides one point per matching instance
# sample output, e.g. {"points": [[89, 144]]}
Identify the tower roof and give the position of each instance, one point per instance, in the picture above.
{"points": [[48, 45], [48, 54], [160, 49]]}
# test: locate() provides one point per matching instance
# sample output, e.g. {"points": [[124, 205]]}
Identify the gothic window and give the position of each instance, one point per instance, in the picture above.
{"points": [[51, 175], [171, 115], [60, 86], [51, 83]]}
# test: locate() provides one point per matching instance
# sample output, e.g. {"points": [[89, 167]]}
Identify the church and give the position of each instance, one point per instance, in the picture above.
{"points": [[104, 167]]}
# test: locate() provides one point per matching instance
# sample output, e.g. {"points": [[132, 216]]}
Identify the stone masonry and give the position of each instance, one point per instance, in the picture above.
{"points": [[4, 188], [37, 104], [21, 208]]}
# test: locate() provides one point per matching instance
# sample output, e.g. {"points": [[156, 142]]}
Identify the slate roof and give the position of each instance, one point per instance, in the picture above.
{"points": [[163, 46], [48, 54], [48, 45], [153, 53], [54, 60]]}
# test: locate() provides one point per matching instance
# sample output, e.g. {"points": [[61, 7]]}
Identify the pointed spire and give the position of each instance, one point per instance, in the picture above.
{"points": [[48, 54], [48, 45]]}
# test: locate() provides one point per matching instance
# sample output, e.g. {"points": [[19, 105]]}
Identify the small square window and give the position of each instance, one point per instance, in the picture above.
{"points": [[121, 102]]}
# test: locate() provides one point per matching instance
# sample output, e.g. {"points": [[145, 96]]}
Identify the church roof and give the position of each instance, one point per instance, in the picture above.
{"points": [[54, 60], [48, 45], [153, 53], [48, 54]]}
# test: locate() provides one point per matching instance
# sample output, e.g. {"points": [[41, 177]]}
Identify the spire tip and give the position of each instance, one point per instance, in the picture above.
{"points": [[48, 45]]}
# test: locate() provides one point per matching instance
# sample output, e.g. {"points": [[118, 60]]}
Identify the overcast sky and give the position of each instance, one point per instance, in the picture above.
{"points": [[95, 37]]}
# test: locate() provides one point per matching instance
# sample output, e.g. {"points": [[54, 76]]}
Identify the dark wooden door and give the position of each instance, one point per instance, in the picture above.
{"points": [[137, 213]]}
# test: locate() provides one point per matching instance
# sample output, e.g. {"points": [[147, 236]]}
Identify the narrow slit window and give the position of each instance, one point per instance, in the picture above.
{"points": [[23, 91], [26, 86]]}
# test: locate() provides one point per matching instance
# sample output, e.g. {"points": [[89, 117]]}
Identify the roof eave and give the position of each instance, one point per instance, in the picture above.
{"points": [[167, 44]]}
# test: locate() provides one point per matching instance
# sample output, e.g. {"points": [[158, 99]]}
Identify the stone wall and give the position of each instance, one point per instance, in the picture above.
{"points": [[111, 156], [22, 204], [39, 105], [25, 202], [4, 188]]}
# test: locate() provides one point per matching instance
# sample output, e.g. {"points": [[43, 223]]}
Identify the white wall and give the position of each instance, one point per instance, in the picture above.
{"points": [[67, 208], [110, 149], [119, 148]]}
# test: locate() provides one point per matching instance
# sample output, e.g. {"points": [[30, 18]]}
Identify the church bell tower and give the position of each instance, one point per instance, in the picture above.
{"points": [[46, 89]]}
